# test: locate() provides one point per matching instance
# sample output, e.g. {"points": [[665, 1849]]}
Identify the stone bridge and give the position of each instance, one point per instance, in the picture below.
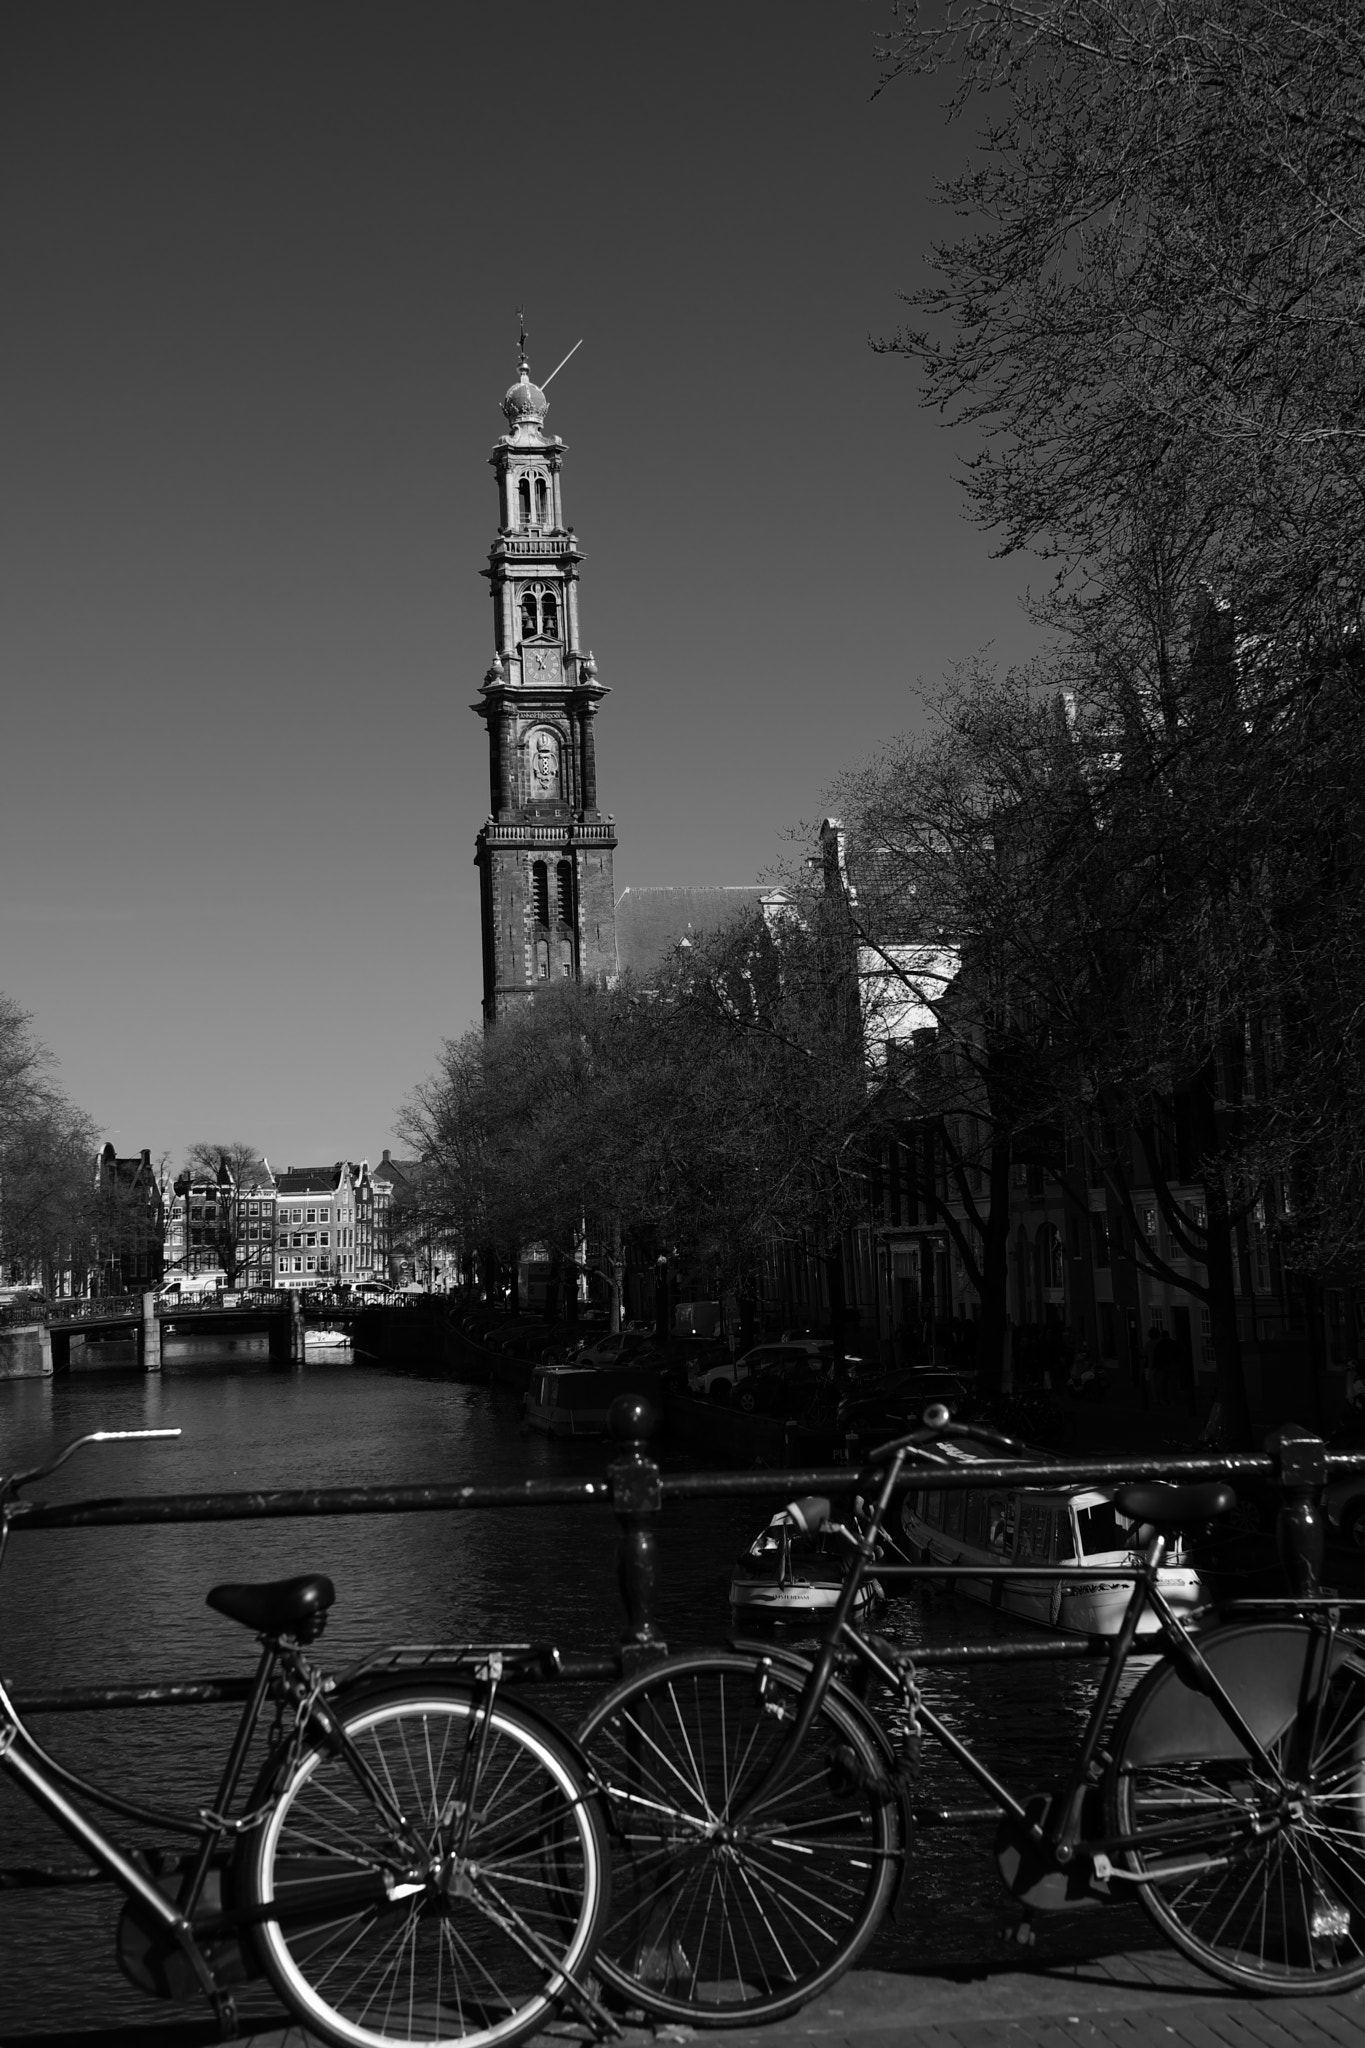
{"points": [[36, 1339]]}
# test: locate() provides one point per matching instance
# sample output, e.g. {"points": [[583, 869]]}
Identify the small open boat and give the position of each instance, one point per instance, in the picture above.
{"points": [[788, 1574]]}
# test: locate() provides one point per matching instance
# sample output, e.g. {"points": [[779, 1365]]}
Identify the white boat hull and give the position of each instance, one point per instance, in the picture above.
{"points": [[797, 1601], [1088, 1607]]}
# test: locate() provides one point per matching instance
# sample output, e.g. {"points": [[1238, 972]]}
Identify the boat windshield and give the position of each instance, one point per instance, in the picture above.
{"points": [[1100, 1530]]}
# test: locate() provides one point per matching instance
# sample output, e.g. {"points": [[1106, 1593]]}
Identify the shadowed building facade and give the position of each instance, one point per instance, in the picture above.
{"points": [[544, 856]]}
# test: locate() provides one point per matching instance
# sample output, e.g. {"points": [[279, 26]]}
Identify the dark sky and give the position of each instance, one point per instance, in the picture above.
{"points": [[261, 265]]}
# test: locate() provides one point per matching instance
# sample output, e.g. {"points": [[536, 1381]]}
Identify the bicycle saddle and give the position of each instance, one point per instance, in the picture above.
{"points": [[283, 1607], [1170, 1506]]}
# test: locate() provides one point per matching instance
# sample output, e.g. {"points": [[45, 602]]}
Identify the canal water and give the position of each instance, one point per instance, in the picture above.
{"points": [[121, 1605]]}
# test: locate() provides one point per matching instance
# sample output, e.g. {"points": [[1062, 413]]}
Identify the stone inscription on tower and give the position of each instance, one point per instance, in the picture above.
{"points": [[544, 855]]}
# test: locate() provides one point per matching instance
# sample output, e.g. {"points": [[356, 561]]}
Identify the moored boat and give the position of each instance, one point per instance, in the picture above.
{"points": [[1037, 1525], [569, 1400], [790, 1574]]}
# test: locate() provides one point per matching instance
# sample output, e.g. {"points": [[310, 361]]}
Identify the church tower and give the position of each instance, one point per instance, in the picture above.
{"points": [[544, 856]]}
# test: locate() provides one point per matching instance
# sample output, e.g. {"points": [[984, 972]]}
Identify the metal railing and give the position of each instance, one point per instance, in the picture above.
{"points": [[108, 1308], [635, 1489]]}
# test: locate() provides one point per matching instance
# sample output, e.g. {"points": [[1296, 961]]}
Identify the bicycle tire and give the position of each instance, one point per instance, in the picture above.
{"points": [[1285, 1912], [719, 1924], [473, 1947]]}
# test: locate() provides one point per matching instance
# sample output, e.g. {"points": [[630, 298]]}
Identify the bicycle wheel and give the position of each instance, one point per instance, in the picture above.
{"points": [[721, 1912], [1278, 1902], [455, 1926]]}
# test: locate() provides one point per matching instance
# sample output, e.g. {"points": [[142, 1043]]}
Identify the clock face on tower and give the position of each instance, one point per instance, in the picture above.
{"points": [[541, 665]]}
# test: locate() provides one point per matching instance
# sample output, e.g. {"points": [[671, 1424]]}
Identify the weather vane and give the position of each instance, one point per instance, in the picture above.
{"points": [[521, 317]]}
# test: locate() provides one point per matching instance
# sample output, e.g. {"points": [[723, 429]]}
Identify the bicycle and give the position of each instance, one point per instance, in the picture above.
{"points": [[421, 1858], [761, 1814]]}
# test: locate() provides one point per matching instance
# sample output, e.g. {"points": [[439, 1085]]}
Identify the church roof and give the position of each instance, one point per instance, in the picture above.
{"points": [[650, 922]]}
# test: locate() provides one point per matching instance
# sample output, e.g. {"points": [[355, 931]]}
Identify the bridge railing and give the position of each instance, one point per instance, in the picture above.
{"points": [[635, 1489]]}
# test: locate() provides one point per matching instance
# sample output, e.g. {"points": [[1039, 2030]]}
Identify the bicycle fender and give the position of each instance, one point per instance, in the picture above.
{"points": [[367, 1692], [792, 1660], [1267, 1670]]}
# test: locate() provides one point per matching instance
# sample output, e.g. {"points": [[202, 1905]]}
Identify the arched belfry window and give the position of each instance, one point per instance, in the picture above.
{"points": [[540, 501], [564, 892], [539, 613], [524, 501], [540, 892]]}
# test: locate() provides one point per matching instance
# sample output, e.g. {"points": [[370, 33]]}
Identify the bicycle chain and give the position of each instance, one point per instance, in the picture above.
{"points": [[305, 1703]]}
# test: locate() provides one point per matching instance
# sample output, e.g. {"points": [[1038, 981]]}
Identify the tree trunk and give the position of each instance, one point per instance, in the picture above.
{"points": [[838, 1306], [1234, 1414], [993, 1328]]}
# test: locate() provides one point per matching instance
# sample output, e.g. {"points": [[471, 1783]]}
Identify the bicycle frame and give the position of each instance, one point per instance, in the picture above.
{"points": [[1057, 1828]]}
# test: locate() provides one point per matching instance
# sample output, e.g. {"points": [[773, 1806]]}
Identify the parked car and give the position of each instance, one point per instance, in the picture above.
{"points": [[796, 1385], [719, 1381], [895, 1402], [603, 1352]]}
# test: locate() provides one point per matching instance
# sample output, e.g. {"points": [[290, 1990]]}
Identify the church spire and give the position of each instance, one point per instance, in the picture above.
{"points": [[545, 853]]}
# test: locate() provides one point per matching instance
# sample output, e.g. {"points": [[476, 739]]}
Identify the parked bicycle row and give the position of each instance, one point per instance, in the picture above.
{"points": [[425, 1856]]}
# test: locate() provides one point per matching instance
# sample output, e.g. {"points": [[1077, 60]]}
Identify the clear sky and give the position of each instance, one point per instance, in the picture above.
{"points": [[261, 260]]}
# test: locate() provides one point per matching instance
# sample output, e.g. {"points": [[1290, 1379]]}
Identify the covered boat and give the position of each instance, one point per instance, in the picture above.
{"points": [[1037, 1525], [569, 1400]]}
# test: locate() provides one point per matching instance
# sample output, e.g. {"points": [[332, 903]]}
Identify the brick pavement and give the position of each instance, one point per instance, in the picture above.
{"points": [[1152, 1999]]}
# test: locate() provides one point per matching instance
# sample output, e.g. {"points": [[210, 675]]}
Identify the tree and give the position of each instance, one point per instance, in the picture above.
{"points": [[226, 1173], [47, 1151], [1152, 312], [1149, 318]]}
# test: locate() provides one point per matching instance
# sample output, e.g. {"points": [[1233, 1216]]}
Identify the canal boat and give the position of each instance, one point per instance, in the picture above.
{"points": [[571, 1400], [790, 1574], [1037, 1525]]}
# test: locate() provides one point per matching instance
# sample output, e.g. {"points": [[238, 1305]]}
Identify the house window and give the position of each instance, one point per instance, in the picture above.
{"points": [[312, 1215], [310, 1237], [324, 1237], [542, 960], [310, 1265], [298, 1265], [1099, 1226]]}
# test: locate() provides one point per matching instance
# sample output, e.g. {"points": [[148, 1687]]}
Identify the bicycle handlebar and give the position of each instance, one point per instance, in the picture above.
{"points": [[10, 1484]]}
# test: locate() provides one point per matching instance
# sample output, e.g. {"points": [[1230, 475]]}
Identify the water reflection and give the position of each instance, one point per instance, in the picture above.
{"points": [[123, 1604]]}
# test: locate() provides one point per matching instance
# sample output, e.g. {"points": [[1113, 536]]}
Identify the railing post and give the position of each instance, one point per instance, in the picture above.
{"points": [[636, 1496], [151, 1335], [1302, 1531], [298, 1343]]}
